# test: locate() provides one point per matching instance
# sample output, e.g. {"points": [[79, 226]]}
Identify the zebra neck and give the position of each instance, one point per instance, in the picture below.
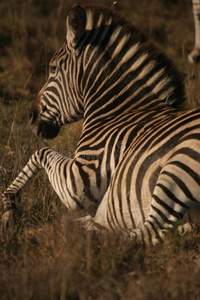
{"points": [[117, 90], [105, 110], [137, 120]]}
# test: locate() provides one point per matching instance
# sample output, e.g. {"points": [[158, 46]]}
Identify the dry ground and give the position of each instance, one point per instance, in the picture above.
{"points": [[49, 256]]}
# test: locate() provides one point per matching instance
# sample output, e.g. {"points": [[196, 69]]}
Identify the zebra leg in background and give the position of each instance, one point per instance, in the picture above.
{"points": [[194, 56]]}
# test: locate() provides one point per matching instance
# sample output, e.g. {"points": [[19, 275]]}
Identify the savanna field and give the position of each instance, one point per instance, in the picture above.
{"points": [[48, 255]]}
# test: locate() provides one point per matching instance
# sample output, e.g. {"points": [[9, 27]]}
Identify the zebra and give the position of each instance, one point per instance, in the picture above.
{"points": [[136, 165], [194, 55]]}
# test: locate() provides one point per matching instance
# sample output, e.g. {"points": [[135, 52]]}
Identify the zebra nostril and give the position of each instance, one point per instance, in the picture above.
{"points": [[33, 116], [44, 109]]}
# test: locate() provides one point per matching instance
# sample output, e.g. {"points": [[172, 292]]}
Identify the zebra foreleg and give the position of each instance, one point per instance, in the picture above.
{"points": [[11, 214], [62, 173]]}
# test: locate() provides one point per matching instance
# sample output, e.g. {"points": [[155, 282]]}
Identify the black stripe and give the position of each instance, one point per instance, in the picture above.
{"points": [[169, 209], [148, 234], [181, 185], [163, 217], [72, 178], [155, 231], [178, 123], [110, 216], [187, 169], [26, 175], [112, 201], [155, 221], [119, 195], [171, 195], [31, 169], [85, 177]]}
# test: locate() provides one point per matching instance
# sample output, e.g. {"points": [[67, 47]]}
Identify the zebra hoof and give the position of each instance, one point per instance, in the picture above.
{"points": [[185, 228], [10, 219]]}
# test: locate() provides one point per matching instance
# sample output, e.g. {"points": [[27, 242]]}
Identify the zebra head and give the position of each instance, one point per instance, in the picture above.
{"points": [[105, 67], [60, 102]]}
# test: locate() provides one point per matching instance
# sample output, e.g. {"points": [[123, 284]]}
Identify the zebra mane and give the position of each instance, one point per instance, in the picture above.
{"points": [[98, 16]]}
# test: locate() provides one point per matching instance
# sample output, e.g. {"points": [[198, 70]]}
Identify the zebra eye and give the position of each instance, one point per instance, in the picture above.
{"points": [[52, 69]]}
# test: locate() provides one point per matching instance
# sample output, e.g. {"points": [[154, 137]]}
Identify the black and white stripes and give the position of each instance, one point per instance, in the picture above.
{"points": [[136, 166]]}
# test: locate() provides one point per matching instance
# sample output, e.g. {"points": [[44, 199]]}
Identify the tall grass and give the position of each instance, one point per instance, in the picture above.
{"points": [[48, 255]]}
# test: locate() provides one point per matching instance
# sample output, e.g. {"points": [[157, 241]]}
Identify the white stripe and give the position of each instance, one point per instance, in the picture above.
{"points": [[121, 44], [114, 36], [89, 24]]}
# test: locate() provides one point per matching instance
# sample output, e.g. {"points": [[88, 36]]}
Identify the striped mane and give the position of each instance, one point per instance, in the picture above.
{"points": [[129, 48]]}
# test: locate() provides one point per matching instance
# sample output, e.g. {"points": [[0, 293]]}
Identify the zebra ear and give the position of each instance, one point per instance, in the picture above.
{"points": [[76, 22]]}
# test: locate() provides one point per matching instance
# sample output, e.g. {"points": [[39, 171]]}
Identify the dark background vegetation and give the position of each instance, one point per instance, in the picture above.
{"points": [[49, 256]]}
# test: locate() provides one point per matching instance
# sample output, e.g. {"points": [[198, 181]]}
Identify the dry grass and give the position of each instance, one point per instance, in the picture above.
{"points": [[48, 256]]}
